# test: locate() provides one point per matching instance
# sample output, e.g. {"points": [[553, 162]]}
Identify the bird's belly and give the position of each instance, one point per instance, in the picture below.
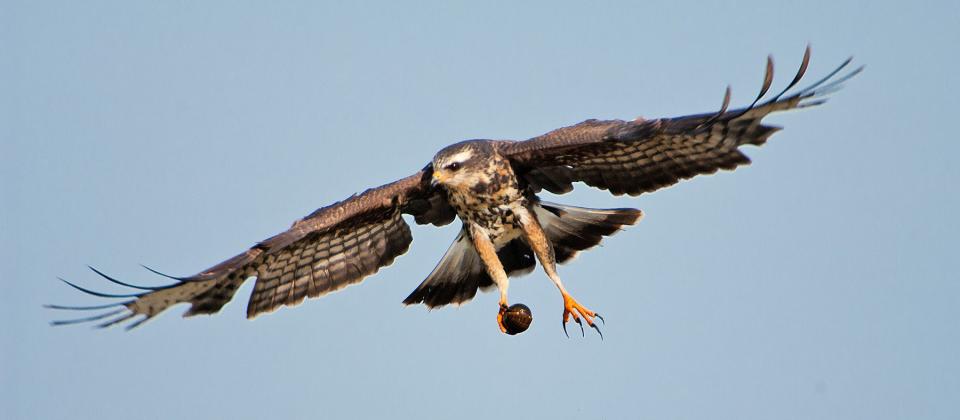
{"points": [[501, 225], [500, 220], [504, 235]]}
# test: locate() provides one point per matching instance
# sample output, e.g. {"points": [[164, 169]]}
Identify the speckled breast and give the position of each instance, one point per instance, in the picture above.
{"points": [[493, 206]]}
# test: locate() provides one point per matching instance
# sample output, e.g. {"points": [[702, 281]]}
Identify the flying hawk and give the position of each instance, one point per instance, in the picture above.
{"points": [[491, 186]]}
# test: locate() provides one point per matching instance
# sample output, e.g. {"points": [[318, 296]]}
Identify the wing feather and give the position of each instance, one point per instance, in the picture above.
{"points": [[635, 157], [333, 247]]}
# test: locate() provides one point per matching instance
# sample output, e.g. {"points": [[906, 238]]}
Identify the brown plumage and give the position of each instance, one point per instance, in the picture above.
{"points": [[491, 186]]}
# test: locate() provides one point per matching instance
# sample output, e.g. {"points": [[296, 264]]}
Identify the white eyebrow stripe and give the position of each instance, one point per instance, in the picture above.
{"points": [[461, 157]]}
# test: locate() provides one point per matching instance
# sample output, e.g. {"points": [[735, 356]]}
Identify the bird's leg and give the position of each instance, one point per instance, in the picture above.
{"points": [[491, 262], [541, 246], [571, 308]]}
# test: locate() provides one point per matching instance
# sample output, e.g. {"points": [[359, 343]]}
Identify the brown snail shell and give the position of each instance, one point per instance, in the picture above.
{"points": [[517, 318]]}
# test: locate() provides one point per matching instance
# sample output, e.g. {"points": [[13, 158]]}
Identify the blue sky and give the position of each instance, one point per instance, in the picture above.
{"points": [[819, 282]]}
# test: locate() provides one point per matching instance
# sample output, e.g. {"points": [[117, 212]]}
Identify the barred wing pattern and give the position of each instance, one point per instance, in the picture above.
{"points": [[328, 261], [332, 248], [634, 157]]}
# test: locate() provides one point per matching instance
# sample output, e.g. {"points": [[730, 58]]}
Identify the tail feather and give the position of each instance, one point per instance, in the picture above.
{"points": [[460, 273], [573, 229]]}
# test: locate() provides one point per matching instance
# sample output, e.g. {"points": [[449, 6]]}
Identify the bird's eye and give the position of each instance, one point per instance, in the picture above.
{"points": [[453, 166]]}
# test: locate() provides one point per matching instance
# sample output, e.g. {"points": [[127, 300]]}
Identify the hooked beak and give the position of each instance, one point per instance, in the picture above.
{"points": [[436, 179]]}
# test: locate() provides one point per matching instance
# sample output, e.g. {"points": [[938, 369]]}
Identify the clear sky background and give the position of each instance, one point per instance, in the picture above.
{"points": [[818, 283]]}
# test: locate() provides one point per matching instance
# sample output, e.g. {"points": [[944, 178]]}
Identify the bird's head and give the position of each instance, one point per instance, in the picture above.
{"points": [[462, 165]]}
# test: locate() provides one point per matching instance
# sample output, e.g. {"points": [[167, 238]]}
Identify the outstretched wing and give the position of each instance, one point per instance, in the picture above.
{"points": [[634, 157], [332, 248]]}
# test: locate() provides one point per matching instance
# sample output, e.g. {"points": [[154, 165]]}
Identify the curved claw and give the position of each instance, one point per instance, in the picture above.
{"points": [[582, 333], [564, 324], [594, 326], [580, 315], [601, 318]]}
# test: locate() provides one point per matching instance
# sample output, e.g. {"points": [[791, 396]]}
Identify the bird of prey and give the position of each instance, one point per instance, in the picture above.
{"points": [[492, 187]]}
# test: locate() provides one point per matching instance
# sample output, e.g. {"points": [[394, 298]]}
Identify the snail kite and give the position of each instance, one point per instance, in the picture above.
{"points": [[492, 187]]}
